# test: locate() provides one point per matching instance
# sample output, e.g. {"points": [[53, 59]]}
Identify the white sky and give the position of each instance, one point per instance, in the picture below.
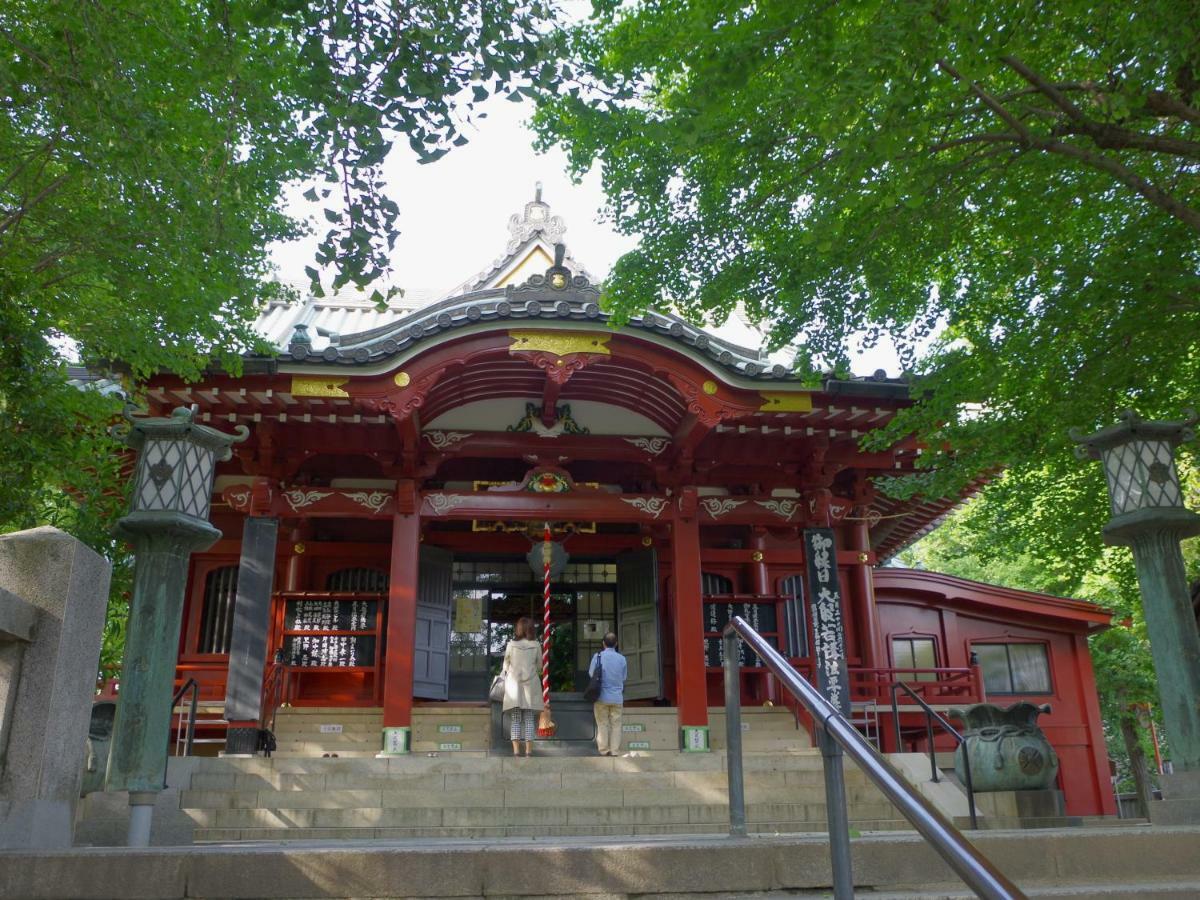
{"points": [[454, 212]]}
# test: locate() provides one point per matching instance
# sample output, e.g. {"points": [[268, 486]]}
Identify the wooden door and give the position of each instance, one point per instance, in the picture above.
{"points": [[637, 622], [431, 643]]}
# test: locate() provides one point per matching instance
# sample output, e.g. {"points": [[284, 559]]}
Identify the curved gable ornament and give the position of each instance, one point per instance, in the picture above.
{"points": [[406, 397], [710, 402]]}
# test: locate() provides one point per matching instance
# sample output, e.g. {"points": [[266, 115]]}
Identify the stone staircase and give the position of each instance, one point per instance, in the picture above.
{"points": [[477, 796]]}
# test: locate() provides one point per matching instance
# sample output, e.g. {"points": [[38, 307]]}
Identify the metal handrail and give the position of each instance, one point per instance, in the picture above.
{"points": [[275, 692], [838, 736], [932, 715], [184, 737]]}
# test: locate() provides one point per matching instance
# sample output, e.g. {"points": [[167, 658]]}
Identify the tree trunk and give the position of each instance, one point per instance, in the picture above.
{"points": [[1137, 762]]}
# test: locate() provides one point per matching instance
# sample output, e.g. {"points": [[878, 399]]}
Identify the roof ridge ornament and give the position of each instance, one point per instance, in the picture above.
{"points": [[536, 219]]}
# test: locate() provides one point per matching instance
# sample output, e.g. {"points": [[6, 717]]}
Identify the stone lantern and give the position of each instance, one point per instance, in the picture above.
{"points": [[167, 522], [1149, 517]]}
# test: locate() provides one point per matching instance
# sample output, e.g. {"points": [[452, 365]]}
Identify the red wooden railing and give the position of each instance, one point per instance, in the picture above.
{"points": [[872, 687], [936, 685]]}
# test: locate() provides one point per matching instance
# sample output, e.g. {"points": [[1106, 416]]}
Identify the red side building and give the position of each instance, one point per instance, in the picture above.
{"points": [[402, 463]]}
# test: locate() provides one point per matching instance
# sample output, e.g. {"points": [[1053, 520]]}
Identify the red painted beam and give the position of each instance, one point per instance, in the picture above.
{"points": [[581, 506]]}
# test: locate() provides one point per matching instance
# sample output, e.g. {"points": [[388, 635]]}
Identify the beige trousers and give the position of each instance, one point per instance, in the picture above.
{"points": [[608, 727]]}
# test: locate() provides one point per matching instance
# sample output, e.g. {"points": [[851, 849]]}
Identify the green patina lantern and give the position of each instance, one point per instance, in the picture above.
{"points": [[167, 522], [1148, 516]]}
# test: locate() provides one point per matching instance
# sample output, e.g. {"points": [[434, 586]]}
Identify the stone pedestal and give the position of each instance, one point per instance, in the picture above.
{"points": [[46, 681], [1180, 803], [1022, 809]]}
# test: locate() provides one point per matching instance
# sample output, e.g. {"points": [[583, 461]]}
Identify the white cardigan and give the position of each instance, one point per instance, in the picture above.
{"points": [[522, 675]]}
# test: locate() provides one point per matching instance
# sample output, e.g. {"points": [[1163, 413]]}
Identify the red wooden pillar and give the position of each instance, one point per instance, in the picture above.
{"points": [[760, 583], [691, 692], [401, 622], [863, 588], [296, 573]]}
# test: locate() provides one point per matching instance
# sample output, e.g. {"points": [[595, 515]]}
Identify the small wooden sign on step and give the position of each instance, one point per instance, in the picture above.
{"points": [[331, 729]]}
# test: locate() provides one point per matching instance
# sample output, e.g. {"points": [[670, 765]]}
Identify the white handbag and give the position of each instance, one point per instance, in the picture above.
{"points": [[496, 691]]}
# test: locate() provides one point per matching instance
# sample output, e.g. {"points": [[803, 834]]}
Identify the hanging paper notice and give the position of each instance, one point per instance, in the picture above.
{"points": [[468, 615], [825, 603]]}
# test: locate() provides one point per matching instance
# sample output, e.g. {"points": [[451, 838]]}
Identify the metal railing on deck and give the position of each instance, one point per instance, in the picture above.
{"points": [[838, 736]]}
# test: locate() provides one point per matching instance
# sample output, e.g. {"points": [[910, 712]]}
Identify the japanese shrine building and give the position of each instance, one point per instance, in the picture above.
{"points": [[402, 463]]}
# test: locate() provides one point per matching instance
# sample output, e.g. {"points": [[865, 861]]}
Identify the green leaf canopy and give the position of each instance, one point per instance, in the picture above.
{"points": [[1007, 191]]}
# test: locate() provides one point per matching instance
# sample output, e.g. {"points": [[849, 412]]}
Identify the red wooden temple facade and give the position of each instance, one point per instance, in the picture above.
{"points": [[377, 521]]}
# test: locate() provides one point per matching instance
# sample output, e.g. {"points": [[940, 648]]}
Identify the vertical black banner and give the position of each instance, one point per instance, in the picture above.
{"points": [[825, 604]]}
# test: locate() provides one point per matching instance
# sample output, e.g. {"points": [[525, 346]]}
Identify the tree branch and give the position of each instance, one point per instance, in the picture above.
{"points": [[991, 102], [1142, 186], [19, 212], [1164, 104], [1108, 136], [1111, 137], [1002, 138], [1057, 97], [1146, 188]]}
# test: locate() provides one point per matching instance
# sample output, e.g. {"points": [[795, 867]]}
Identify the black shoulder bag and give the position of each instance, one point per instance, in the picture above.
{"points": [[592, 691]]}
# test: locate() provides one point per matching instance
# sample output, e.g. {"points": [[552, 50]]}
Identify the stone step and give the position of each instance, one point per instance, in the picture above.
{"points": [[342, 753], [1160, 890], [313, 728], [1113, 863], [806, 760], [791, 815], [233, 835], [350, 798], [351, 741], [501, 779]]}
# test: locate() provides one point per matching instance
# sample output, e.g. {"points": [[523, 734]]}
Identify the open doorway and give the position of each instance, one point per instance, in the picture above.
{"points": [[490, 595]]}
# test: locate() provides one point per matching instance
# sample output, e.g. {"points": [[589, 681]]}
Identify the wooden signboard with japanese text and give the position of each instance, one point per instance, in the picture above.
{"points": [[825, 605]]}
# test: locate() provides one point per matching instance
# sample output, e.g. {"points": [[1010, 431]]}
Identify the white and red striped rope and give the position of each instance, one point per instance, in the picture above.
{"points": [[546, 553]]}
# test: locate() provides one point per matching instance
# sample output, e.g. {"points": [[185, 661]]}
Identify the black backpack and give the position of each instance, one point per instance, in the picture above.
{"points": [[592, 691]]}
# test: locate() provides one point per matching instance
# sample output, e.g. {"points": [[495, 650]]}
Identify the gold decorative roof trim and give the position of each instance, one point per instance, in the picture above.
{"points": [[318, 386], [560, 343], [785, 402]]}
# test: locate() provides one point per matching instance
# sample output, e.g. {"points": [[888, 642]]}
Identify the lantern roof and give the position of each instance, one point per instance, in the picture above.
{"points": [[1133, 427]]}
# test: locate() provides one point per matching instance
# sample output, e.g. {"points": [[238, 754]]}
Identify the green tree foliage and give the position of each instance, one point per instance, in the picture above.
{"points": [[1007, 190], [144, 146]]}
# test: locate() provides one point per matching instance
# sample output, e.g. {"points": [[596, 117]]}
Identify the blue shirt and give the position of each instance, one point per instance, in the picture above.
{"points": [[612, 675]]}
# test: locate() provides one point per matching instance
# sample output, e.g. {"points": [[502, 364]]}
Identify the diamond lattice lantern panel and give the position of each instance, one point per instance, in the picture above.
{"points": [[176, 464], [175, 475], [1141, 475]]}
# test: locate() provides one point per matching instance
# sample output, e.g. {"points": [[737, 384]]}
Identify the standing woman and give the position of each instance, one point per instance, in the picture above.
{"points": [[523, 684]]}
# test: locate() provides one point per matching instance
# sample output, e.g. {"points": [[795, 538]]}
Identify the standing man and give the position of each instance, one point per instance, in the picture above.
{"points": [[613, 670]]}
